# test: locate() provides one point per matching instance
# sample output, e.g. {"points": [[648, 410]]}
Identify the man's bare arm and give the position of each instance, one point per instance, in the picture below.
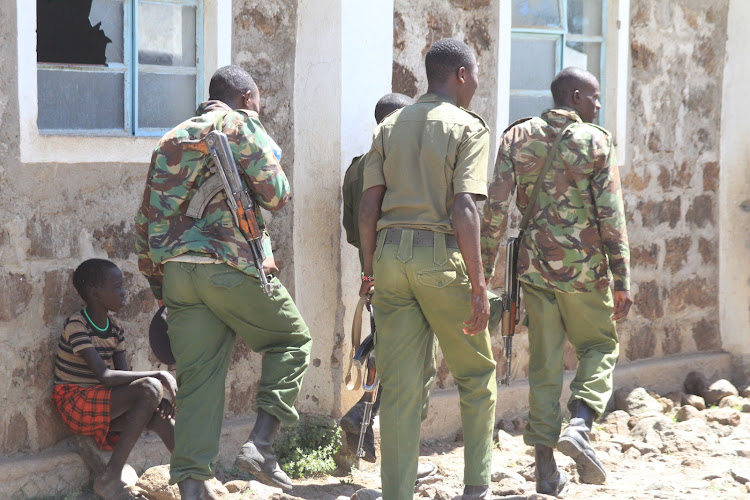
{"points": [[369, 214], [465, 217]]}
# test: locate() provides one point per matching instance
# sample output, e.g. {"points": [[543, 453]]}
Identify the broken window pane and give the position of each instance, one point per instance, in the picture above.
{"points": [[79, 31], [585, 17], [83, 100], [165, 100], [166, 34]]}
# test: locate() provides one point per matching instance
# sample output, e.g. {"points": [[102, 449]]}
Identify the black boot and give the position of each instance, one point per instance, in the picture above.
{"points": [[351, 423], [574, 442], [195, 489], [476, 493], [257, 456], [549, 480]]}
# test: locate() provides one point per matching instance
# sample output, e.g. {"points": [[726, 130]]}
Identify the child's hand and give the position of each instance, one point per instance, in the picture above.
{"points": [[165, 409], [169, 383]]}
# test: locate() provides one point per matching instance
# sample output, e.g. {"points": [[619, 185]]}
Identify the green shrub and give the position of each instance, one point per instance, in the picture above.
{"points": [[307, 449]]}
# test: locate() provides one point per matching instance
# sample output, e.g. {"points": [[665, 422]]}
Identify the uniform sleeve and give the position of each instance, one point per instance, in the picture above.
{"points": [[610, 210], [258, 165], [495, 215], [152, 271], [373, 171], [348, 193], [77, 335], [470, 175]]}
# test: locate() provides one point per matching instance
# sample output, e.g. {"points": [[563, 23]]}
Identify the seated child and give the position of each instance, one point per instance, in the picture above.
{"points": [[95, 392]]}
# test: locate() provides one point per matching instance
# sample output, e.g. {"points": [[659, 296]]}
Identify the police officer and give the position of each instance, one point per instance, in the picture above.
{"points": [[202, 269], [576, 237], [419, 228]]}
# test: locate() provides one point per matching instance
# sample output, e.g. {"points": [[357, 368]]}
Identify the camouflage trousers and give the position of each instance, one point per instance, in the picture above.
{"points": [[585, 319], [419, 289], [209, 305]]}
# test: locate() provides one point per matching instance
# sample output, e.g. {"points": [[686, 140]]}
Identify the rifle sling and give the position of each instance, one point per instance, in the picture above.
{"points": [[354, 372], [540, 179]]}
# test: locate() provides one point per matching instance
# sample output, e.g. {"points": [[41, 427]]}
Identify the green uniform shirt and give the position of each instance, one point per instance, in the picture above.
{"points": [[163, 231], [426, 153], [351, 191], [577, 232]]}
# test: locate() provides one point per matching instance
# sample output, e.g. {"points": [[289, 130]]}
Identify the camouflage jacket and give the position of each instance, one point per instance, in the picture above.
{"points": [[163, 231], [577, 233]]}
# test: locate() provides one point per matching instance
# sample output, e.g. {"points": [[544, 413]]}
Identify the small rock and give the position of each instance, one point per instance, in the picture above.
{"points": [[687, 412], [509, 487], [343, 497], [742, 476], [636, 402], [632, 453], [528, 472], [724, 416], [367, 494], [731, 401], [237, 486], [156, 483], [745, 407], [508, 443], [617, 423], [745, 392], [539, 496], [644, 448], [719, 390], [696, 383], [501, 474], [692, 463], [505, 424], [425, 491], [695, 401]]}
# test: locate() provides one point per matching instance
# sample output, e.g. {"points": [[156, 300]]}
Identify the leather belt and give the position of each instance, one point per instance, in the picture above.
{"points": [[422, 238]]}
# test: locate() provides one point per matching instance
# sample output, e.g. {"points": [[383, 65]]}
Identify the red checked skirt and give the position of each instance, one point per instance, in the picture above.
{"points": [[85, 410]]}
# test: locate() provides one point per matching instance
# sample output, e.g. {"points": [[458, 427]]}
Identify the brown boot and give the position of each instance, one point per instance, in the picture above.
{"points": [[257, 456], [549, 479]]}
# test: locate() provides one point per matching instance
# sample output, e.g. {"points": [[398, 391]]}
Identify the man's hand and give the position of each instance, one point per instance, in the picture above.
{"points": [[623, 301], [169, 383], [166, 409], [480, 313], [269, 266], [366, 289]]}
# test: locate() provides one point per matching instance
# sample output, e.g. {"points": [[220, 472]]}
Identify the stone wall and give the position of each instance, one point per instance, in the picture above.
{"points": [[54, 216], [670, 184]]}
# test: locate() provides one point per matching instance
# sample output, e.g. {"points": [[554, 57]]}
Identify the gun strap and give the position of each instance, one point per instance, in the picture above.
{"points": [[540, 179], [354, 373]]}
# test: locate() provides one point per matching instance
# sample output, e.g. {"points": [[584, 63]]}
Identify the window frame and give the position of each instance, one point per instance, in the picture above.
{"points": [[561, 36], [75, 146], [614, 81]]}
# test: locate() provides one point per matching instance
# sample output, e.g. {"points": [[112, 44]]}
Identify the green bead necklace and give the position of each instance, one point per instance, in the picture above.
{"points": [[94, 324]]}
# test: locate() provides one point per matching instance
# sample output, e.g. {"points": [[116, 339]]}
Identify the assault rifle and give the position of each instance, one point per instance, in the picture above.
{"points": [[226, 178], [370, 382], [511, 302]]}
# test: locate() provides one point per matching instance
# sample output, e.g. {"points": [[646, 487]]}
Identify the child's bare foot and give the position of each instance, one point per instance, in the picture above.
{"points": [[111, 487]]}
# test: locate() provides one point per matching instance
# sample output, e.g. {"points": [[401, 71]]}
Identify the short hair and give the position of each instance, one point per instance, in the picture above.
{"points": [[568, 81], [91, 273], [390, 103], [229, 82], [445, 57]]}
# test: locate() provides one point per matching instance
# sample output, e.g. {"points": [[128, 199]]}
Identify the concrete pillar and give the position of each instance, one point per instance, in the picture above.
{"points": [[734, 194], [343, 63]]}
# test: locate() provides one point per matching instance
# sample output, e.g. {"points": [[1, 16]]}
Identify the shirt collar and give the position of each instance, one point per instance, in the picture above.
{"points": [[436, 98], [561, 115]]}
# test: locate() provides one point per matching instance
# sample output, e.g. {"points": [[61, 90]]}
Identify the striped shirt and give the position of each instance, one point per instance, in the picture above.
{"points": [[78, 334]]}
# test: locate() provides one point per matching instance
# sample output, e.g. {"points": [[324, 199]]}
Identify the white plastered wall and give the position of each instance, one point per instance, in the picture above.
{"points": [[734, 194]]}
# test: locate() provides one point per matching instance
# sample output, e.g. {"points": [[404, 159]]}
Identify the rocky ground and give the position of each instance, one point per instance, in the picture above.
{"points": [[687, 444]]}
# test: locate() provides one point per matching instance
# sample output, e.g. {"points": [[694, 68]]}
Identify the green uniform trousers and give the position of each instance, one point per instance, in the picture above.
{"points": [[585, 319], [208, 306], [420, 290]]}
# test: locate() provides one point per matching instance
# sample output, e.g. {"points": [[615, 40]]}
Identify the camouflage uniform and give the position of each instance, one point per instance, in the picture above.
{"points": [[203, 270], [424, 154], [575, 239]]}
